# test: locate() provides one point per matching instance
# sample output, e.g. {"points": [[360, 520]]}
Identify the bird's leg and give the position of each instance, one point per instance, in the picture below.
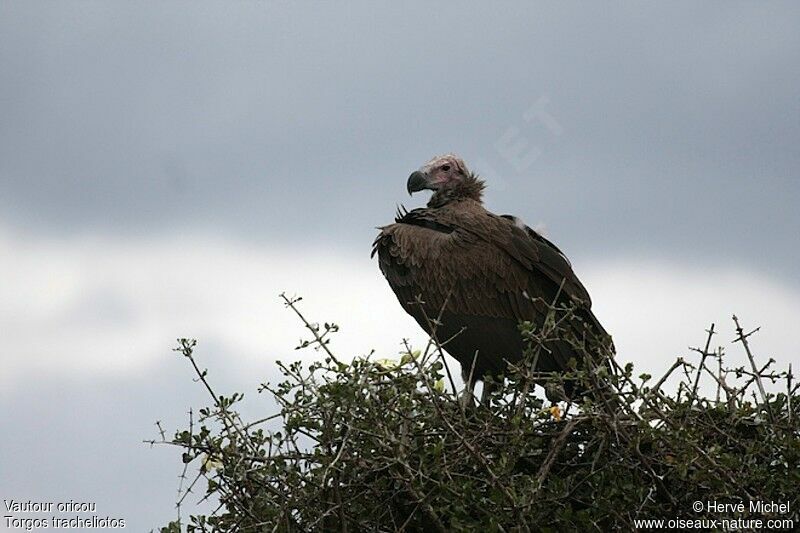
{"points": [[555, 392], [468, 396], [489, 386]]}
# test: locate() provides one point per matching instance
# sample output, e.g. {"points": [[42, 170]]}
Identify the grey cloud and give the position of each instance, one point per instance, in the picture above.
{"points": [[90, 448], [678, 126]]}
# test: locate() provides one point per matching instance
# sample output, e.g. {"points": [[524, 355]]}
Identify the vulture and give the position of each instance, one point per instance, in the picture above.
{"points": [[469, 277]]}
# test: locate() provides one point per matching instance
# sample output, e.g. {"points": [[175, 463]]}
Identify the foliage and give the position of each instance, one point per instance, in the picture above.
{"points": [[387, 445]]}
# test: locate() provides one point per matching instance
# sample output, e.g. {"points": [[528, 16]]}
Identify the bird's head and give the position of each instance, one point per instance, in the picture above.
{"points": [[440, 172], [448, 176]]}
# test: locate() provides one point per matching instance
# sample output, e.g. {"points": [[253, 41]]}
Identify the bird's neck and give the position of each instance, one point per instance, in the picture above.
{"points": [[470, 188]]}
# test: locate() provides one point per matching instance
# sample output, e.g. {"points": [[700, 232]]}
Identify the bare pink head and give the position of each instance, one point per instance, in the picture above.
{"points": [[449, 178], [438, 173]]}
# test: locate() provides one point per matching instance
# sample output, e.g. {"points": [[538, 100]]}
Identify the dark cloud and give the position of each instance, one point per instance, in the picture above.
{"points": [[127, 118], [672, 129]]}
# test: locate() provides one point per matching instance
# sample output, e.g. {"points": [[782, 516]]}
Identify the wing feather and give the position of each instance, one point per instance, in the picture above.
{"points": [[480, 264]]}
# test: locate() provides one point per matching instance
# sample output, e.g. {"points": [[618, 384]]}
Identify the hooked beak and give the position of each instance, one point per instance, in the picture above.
{"points": [[417, 181]]}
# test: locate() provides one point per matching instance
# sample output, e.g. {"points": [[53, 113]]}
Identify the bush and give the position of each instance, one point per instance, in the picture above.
{"points": [[388, 445]]}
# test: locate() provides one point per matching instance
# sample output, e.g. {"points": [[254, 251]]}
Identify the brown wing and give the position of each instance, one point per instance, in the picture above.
{"points": [[483, 261], [554, 264], [481, 265]]}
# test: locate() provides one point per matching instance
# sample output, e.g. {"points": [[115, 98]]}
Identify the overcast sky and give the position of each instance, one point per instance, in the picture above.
{"points": [[168, 168]]}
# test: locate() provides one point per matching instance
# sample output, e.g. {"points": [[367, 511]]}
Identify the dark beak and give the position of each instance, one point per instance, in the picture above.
{"points": [[417, 181]]}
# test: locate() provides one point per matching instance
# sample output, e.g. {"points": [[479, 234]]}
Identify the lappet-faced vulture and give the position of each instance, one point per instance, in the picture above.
{"points": [[480, 274]]}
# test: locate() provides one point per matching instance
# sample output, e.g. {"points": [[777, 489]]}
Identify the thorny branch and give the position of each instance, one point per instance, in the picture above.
{"points": [[368, 445]]}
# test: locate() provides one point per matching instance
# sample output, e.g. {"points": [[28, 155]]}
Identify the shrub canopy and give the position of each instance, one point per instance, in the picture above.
{"points": [[387, 445]]}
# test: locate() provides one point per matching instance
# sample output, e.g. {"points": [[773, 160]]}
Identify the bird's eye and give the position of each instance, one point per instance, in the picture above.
{"points": [[445, 167]]}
